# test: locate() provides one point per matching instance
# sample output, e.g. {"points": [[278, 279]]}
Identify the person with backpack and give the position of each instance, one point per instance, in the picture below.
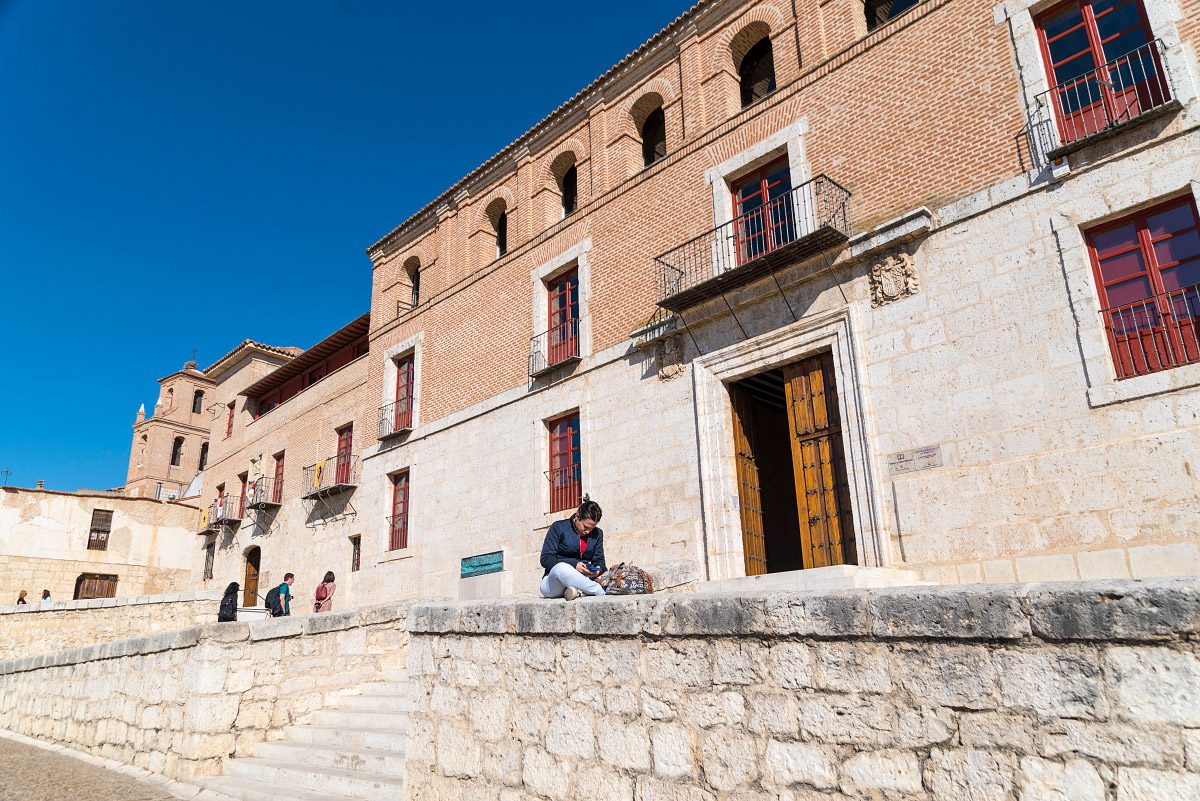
{"points": [[573, 554], [325, 589], [229, 604], [279, 599]]}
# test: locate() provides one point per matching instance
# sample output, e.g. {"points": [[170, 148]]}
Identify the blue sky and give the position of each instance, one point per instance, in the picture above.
{"points": [[186, 174]]}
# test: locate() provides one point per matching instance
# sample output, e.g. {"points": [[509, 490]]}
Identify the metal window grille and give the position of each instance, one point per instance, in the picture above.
{"points": [[355, 554], [99, 530], [398, 522], [210, 557], [1147, 269], [565, 474]]}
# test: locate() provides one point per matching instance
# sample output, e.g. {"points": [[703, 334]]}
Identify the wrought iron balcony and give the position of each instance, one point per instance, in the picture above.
{"points": [[396, 418], [397, 532], [224, 510], [1157, 333], [799, 223], [331, 476], [554, 348], [566, 487], [1095, 103], [264, 493]]}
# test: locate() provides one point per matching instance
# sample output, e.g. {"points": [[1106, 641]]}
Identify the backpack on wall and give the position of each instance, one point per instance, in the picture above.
{"points": [[626, 579]]}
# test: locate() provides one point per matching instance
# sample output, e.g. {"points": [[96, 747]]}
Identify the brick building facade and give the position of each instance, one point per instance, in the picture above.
{"points": [[903, 286], [170, 447]]}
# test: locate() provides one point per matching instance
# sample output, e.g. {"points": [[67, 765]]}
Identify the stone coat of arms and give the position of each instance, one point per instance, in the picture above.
{"points": [[893, 278]]}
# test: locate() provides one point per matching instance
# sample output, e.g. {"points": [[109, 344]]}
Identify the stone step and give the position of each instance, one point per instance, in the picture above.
{"points": [[323, 755], [357, 719], [374, 703], [395, 674], [335, 781], [250, 790], [382, 739], [385, 688]]}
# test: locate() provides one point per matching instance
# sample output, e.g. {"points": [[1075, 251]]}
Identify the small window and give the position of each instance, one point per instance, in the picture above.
{"points": [[880, 11], [1147, 269], [229, 418], [177, 452], [502, 234], [197, 402], [412, 268], [654, 137], [757, 72], [210, 558], [100, 529], [277, 483], [95, 585], [570, 190], [203, 457], [398, 522], [355, 553], [565, 475]]}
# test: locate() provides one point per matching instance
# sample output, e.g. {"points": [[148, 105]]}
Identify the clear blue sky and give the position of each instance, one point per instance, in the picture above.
{"points": [[178, 175]]}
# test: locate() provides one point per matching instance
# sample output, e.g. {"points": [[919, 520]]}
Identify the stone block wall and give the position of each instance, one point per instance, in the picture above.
{"points": [[37, 628], [182, 702], [1087, 692]]}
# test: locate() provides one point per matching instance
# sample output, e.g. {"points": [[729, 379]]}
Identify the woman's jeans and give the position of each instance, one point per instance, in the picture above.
{"points": [[564, 575]]}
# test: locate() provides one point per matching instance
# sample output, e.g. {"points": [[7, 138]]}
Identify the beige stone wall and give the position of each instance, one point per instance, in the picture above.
{"points": [[38, 628], [44, 539], [182, 702], [1086, 692]]}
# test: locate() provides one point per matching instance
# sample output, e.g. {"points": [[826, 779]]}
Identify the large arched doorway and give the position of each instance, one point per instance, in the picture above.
{"points": [[250, 586]]}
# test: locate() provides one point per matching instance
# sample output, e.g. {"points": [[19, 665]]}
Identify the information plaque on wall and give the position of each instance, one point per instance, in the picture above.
{"points": [[482, 564], [914, 460]]}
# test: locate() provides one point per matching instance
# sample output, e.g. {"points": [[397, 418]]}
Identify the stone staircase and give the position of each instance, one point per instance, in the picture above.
{"points": [[355, 750]]}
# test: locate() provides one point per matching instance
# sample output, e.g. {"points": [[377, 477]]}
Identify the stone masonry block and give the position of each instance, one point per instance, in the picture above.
{"points": [[544, 616], [951, 613], [974, 775], [276, 629], [730, 761], [824, 615], [432, 618], [886, 771], [1051, 682], [673, 751], [1154, 685], [1112, 743], [619, 615], [1139, 784], [799, 763], [958, 676], [1074, 780], [713, 615], [486, 618], [1123, 610]]}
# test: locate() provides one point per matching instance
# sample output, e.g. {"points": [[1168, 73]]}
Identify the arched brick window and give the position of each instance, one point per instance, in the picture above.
{"points": [[203, 456], [502, 234], [570, 190], [412, 269], [756, 73], [177, 452], [197, 402], [880, 11], [654, 137]]}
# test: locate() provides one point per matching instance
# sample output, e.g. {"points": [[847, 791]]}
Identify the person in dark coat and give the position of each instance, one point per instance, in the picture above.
{"points": [[573, 554], [229, 604]]}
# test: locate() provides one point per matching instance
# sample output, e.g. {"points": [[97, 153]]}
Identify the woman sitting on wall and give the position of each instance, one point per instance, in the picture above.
{"points": [[573, 554]]}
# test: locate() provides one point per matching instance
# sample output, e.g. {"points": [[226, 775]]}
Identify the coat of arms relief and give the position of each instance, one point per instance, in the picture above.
{"points": [[893, 278]]}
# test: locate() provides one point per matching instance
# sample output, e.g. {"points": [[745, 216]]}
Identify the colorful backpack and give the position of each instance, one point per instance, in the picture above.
{"points": [[626, 579]]}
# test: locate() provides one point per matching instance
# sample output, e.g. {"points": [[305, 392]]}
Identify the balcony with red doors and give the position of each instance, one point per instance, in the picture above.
{"points": [[331, 476], [396, 418], [774, 227], [555, 348], [264, 493], [227, 510], [1155, 333], [1101, 101]]}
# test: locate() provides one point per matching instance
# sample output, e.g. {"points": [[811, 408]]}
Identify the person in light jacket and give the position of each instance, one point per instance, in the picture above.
{"points": [[573, 554]]}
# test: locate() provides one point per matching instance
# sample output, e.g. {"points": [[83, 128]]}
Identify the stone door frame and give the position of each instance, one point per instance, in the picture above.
{"points": [[830, 330]]}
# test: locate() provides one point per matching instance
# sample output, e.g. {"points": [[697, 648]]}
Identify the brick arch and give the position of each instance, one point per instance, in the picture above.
{"points": [[570, 145], [643, 102], [484, 217], [738, 38]]}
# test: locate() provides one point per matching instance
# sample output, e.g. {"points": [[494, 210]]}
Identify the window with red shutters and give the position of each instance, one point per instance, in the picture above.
{"points": [[345, 454], [398, 522], [764, 212], [563, 316], [1102, 64], [277, 484], [566, 479], [404, 393], [244, 478], [1147, 269]]}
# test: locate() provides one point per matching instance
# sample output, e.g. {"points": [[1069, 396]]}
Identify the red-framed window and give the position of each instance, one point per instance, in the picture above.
{"points": [[1147, 269], [344, 454], [563, 316], [277, 483], [404, 393], [566, 478], [762, 207], [229, 418], [244, 478], [1101, 62], [398, 522]]}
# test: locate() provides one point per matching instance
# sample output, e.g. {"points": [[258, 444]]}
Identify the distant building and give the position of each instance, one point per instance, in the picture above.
{"points": [[171, 446]]}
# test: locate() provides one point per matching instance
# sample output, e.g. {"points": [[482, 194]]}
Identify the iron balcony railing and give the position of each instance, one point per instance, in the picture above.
{"points": [[395, 418], [332, 475], [1156, 333], [226, 509], [1101, 99], [555, 347], [263, 493], [566, 487], [795, 224], [397, 532]]}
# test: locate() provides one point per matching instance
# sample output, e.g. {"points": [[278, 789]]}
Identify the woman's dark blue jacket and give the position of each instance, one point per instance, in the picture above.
{"points": [[562, 545]]}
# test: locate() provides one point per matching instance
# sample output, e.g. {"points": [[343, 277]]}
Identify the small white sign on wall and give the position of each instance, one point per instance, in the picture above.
{"points": [[914, 460]]}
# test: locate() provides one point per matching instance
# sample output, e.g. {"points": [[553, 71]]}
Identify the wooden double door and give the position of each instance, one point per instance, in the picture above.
{"points": [[791, 469]]}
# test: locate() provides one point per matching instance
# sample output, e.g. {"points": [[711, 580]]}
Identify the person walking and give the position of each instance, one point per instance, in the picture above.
{"points": [[21, 599], [325, 590], [46, 596], [279, 599], [229, 604]]}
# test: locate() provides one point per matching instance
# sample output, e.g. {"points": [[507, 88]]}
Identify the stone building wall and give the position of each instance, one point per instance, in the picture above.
{"points": [[38, 628], [180, 703], [1088, 692]]}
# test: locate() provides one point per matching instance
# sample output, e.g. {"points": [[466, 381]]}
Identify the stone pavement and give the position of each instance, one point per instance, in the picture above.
{"points": [[39, 774]]}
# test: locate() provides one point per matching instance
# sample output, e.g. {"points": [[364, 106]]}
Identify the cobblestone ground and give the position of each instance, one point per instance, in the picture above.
{"points": [[28, 773]]}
